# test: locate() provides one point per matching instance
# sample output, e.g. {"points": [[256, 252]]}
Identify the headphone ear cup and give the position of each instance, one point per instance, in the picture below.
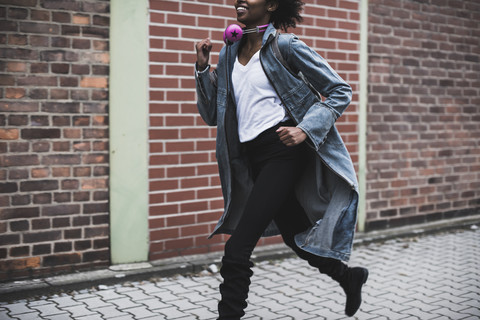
{"points": [[232, 33]]}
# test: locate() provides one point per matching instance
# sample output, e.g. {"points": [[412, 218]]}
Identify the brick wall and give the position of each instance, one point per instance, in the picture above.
{"points": [[53, 136], [185, 195], [423, 111]]}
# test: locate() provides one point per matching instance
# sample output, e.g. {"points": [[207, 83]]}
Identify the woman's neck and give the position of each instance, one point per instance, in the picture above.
{"points": [[253, 41]]}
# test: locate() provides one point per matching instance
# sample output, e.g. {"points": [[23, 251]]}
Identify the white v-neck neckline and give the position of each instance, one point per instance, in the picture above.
{"points": [[249, 61]]}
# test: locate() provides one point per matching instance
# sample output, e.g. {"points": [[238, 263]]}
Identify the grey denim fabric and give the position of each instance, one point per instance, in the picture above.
{"points": [[328, 189]]}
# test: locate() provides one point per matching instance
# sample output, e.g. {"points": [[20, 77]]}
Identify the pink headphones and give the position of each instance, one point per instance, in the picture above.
{"points": [[234, 33]]}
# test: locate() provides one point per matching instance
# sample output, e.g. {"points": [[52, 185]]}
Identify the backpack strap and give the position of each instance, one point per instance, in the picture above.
{"points": [[278, 53]]}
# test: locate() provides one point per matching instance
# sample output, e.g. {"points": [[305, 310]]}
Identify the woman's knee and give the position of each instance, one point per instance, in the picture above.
{"points": [[237, 251]]}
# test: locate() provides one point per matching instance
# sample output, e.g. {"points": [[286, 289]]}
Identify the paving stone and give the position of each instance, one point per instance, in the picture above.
{"points": [[48, 310], [310, 298], [271, 305], [140, 312], [448, 297], [396, 298], [263, 313], [395, 306], [391, 315], [110, 312], [172, 313], [183, 304], [426, 307], [42, 301], [177, 289], [474, 311], [154, 303], [420, 314], [149, 287], [78, 311], [193, 296], [165, 296], [67, 301], [202, 313], [211, 305], [137, 295], [124, 303], [109, 294], [296, 313], [94, 302], [18, 308], [4, 315], [28, 316]]}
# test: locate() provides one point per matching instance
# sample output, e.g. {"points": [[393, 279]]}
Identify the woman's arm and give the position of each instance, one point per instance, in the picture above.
{"points": [[206, 83], [321, 116]]}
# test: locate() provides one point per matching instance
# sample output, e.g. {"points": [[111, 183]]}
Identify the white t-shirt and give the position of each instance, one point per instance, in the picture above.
{"points": [[258, 106]]}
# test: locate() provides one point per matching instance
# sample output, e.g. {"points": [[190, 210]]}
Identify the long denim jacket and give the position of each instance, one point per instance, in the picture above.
{"points": [[328, 188]]}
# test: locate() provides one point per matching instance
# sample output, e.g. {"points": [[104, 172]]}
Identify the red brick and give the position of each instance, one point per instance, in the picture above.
{"points": [[181, 172], [9, 134], [62, 259], [164, 82], [178, 243], [194, 158], [156, 223], [90, 184], [194, 182], [162, 134], [184, 20], [163, 185], [209, 193], [163, 234], [195, 133], [163, 209], [164, 5], [94, 82]]}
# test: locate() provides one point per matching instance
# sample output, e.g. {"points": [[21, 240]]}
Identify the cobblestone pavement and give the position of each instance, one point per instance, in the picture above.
{"points": [[426, 277]]}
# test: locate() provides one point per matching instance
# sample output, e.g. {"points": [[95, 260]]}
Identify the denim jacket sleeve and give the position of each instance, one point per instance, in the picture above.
{"points": [[206, 84], [321, 116]]}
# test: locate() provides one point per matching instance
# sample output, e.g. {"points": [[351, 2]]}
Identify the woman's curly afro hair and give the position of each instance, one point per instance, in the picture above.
{"points": [[287, 14]]}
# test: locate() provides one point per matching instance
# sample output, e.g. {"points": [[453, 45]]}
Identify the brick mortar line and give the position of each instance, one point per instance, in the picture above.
{"points": [[184, 265]]}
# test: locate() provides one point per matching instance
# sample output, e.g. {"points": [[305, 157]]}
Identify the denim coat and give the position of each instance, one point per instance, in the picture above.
{"points": [[328, 188]]}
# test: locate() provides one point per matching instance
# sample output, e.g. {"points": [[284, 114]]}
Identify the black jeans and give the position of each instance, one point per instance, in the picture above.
{"points": [[275, 169]]}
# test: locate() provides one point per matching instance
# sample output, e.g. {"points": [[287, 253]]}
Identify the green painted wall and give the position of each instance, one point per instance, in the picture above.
{"points": [[362, 132], [129, 131]]}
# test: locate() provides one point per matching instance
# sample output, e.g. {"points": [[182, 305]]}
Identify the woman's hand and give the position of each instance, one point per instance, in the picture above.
{"points": [[203, 53], [291, 136]]}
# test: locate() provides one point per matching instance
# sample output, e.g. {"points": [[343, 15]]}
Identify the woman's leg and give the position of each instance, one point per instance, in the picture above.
{"points": [[276, 169], [293, 220]]}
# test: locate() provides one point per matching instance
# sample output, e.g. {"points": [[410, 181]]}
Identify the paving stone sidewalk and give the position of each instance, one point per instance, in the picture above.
{"points": [[426, 277]]}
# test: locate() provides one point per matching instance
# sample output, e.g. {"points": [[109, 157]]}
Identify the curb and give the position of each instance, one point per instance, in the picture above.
{"points": [[17, 290]]}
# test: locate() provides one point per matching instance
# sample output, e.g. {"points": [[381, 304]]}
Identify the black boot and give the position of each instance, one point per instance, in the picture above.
{"points": [[234, 289], [352, 282], [350, 279]]}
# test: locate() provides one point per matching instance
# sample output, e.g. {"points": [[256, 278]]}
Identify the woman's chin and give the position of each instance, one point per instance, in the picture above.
{"points": [[241, 19]]}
